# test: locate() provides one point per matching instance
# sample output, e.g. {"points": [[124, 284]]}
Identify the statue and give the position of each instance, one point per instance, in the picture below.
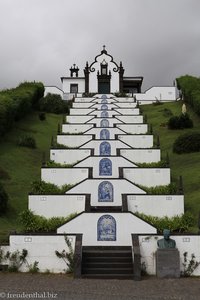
{"points": [[166, 242]]}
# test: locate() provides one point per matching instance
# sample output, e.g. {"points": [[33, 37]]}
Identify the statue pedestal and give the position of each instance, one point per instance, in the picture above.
{"points": [[168, 263]]}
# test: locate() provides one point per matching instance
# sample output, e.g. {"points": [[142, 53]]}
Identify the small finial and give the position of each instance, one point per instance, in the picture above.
{"points": [[74, 65], [104, 47]]}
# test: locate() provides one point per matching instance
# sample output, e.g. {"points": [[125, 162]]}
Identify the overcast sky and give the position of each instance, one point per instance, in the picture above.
{"points": [[41, 39]]}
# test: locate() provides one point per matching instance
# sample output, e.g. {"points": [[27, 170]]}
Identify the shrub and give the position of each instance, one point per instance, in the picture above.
{"points": [[3, 200], [175, 224], [27, 141], [16, 103], [35, 223], [169, 189], [67, 256], [4, 174], [189, 266], [187, 143], [167, 112], [53, 103], [181, 122], [16, 259], [42, 116], [45, 188], [190, 89]]}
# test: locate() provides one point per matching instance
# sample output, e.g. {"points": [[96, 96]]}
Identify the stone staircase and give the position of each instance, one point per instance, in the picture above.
{"points": [[107, 262]]}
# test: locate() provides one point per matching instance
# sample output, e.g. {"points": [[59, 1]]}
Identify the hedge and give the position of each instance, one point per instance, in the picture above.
{"points": [[3, 200], [190, 88], [187, 143], [16, 103]]}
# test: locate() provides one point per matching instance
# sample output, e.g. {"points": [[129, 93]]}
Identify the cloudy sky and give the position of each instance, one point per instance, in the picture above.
{"points": [[41, 39]]}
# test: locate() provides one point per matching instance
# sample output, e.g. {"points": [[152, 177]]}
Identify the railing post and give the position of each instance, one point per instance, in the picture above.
{"points": [[137, 257], [78, 256]]}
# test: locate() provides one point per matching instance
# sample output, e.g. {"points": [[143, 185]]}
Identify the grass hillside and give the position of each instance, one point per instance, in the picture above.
{"points": [[187, 165], [22, 165]]}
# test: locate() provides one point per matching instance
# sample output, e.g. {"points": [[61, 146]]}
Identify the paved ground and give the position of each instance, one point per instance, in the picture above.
{"points": [[38, 286]]}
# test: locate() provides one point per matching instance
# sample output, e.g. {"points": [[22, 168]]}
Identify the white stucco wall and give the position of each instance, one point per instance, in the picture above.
{"points": [[148, 176], [97, 121], [93, 82], [61, 176], [120, 186], [126, 104], [68, 156], [131, 119], [112, 131], [73, 140], [96, 144], [73, 80], [42, 248], [110, 105], [126, 223], [141, 155], [95, 161], [53, 90], [76, 128], [84, 99], [137, 141], [156, 205], [56, 205], [164, 93], [82, 104], [133, 128], [184, 243], [81, 111], [110, 113], [79, 119], [128, 111]]}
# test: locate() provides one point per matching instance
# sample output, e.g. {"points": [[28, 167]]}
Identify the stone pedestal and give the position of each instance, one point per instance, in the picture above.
{"points": [[168, 263]]}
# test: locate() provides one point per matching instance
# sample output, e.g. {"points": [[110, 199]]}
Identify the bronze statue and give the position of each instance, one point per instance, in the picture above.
{"points": [[166, 242]]}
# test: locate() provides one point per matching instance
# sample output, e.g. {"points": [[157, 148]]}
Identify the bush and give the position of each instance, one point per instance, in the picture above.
{"points": [[53, 103], [190, 89], [167, 112], [35, 223], [27, 141], [175, 224], [42, 116], [3, 200], [169, 189], [45, 188], [181, 122], [187, 143], [16, 103]]}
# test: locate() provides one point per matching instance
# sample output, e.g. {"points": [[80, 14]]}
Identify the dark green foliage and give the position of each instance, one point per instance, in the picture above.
{"points": [[42, 116], [169, 189], [26, 141], [4, 174], [44, 188], [16, 259], [187, 143], [190, 88], [53, 103], [189, 266], [159, 164], [180, 122], [123, 94], [3, 200], [167, 112], [33, 268], [16, 103], [35, 223], [175, 224], [67, 256]]}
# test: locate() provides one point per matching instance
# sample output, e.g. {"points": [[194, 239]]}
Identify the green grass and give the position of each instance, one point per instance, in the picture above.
{"points": [[23, 164], [187, 165]]}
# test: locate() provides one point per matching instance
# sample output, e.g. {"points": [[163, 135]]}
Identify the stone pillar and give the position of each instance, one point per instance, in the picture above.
{"points": [[168, 263]]}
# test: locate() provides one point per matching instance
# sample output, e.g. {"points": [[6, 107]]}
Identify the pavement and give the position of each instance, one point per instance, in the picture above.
{"points": [[61, 287]]}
